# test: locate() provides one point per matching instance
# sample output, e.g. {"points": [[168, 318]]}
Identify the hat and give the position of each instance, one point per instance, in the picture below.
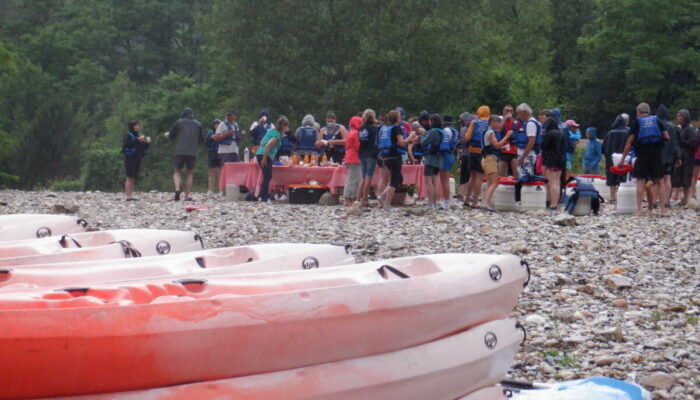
{"points": [[231, 112], [464, 116], [424, 115], [448, 119], [571, 122]]}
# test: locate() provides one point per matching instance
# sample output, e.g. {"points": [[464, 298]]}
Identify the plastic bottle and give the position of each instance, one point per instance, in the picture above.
{"points": [[324, 160], [246, 155], [295, 159], [306, 159], [313, 160]]}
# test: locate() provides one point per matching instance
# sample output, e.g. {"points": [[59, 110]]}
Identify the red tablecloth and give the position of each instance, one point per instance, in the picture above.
{"points": [[250, 175]]}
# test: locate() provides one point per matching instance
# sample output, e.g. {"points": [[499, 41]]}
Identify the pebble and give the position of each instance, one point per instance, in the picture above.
{"points": [[620, 303], [576, 314]]}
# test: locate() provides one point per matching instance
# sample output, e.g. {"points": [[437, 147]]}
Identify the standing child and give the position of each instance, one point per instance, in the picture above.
{"points": [[489, 163], [593, 154], [134, 147]]}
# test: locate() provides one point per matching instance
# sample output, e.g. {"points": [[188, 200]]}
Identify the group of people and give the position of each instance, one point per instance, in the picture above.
{"points": [[484, 145]]}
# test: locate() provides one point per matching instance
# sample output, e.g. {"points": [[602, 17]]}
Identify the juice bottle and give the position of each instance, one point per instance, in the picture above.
{"points": [[324, 160], [313, 159], [306, 159], [295, 159]]}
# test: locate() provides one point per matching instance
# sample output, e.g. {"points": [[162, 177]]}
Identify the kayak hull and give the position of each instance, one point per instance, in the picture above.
{"points": [[440, 370], [175, 339], [32, 226]]}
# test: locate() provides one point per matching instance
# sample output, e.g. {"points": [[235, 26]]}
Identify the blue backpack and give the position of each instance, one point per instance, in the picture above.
{"points": [[649, 132], [449, 140], [480, 127], [584, 188]]}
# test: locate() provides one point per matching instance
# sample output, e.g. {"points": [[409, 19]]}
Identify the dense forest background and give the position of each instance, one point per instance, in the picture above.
{"points": [[72, 72]]}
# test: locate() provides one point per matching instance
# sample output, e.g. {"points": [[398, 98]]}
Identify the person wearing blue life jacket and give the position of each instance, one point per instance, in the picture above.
{"points": [[229, 135], [213, 158], [491, 143], [647, 135], [593, 154], [134, 147], [448, 145], [474, 137], [528, 138], [368, 154], [465, 120], [288, 143], [259, 128], [307, 137], [432, 158], [333, 131], [392, 146]]}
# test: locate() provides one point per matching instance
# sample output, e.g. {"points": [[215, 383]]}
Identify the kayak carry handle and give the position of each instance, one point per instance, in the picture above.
{"points": [[201, 262], [384, 268], [5, 270], [520, 326], [199, 237], [128, 249], [522, 385], [184, 282], [63, 242], [250, 259], [5, 274], [74, 290], [527, 267], [82, 223]]}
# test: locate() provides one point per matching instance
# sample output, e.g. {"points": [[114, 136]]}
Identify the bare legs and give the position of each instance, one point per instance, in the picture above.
{"points": [[650, 188], [129, 184], [553, 186], [493, 184], [432, 189], [613, 192], [474, 190], [445, 181], [188, 181], [213, 174]]}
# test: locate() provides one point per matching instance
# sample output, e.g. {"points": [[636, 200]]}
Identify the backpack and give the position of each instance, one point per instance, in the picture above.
{"points": [[480, 127], [649, 132], [584, 188]]}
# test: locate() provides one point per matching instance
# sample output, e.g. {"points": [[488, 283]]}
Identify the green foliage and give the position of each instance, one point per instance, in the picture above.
{"points": [[68, 185], [72, 73]]}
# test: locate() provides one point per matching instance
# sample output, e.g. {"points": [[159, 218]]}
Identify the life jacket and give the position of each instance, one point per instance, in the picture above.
{"points": [[584, 188], [486, 146], [387, 143], [236, 136], [212, 145], [480, 126], [448, 141], [131, 150], [430, 148], [286, 144], [334, 134], [259, 133], [521, 139], [649, 132], [307, 138]]}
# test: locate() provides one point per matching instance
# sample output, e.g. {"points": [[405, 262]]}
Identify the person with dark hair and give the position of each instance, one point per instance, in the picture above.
{"points": [[647, 135], [683, 174], [213, 157], [450, 136], [188, 134], [267, 151], [259, 128], [670, 155], [465, 121], [432, 158], [228, 134], [553, 160], [368, 154], [134, 147], [392, 146], [330, 132], [508, 153], [613, 143]]}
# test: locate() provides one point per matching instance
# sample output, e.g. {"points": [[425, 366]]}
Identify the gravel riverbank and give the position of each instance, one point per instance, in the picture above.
{"points": [[613, 295]]}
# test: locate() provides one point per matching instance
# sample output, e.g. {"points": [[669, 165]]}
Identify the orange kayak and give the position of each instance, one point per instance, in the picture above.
{"points": [[440, 370], [160, 333], [32, 226], [213, 262], [99, 245]]}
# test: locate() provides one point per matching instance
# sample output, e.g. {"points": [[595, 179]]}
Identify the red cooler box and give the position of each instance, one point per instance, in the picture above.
{"points": [[306, 194]]}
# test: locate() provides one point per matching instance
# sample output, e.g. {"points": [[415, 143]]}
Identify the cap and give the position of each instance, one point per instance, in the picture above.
{"points": [[571, 122], [231, 112], [448, 119]]}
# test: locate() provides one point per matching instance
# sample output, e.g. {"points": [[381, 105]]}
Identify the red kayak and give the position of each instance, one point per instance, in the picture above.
{"points": [[161, 333], [232, 260], [101, 245], [440, 370]]}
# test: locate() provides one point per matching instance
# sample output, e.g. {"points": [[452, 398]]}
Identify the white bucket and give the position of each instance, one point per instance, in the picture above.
{"points": [[533, 197], [627, 198], [504, 198]]}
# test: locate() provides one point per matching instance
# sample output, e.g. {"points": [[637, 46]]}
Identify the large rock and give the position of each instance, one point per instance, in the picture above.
{"points": [[565, 220], [328, 199], [658, 380], [61, 209]]}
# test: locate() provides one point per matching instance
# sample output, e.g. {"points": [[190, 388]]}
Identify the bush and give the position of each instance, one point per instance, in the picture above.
{"points": [[8, 181], [103, 170], [67, 185]]}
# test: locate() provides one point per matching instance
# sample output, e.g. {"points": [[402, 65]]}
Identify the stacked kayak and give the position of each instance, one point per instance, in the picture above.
{"points": [[212, 262], [32, 226]]}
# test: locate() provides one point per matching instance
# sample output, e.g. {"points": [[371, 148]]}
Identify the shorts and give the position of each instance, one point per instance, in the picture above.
{"points": [[448, 160], [475, 163], [463, 169], [394, 166], [668, 169], [229, 157], [367, 166], [429, 170], [184, 161], [132, 165], [649, 165], [507, 157], [213, 160], [489, 165]]}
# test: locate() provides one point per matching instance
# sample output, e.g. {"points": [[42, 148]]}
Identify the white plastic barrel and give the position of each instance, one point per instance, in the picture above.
{"points": [[602, 188], [627, 198], [504, 197], [533, 196], [233, 193]]}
